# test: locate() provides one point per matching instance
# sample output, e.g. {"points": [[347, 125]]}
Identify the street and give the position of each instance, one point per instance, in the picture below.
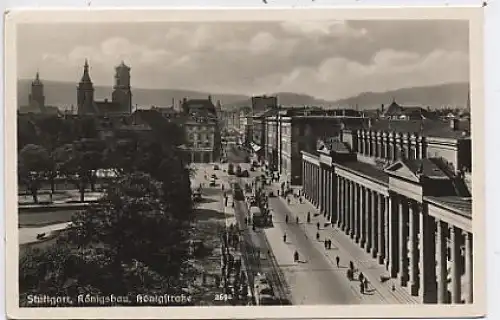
{"points": [[312, 280]]}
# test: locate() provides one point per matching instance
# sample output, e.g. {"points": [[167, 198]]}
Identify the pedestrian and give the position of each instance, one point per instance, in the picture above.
{"points": [[329, 244], [297, 220], [284, 237], [288, 200], [223, 188], [362, 288], [361, 277], [366, 284], [296, 256], [317, 225], [325, 242], [351, 265], [286, 219], [309, 217], [317, 235], [337, 259]]}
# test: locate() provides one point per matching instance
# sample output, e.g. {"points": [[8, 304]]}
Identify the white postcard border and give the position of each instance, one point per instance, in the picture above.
{"points": [[473, 14]]}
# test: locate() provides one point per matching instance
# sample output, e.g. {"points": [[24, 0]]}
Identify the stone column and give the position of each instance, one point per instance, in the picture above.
{"points": [[381, 229], [414, 253], [356, 212], [395, 216], [345, 205], [339, 202], [427, 250], [442, 260], [469, 262], [333, 183], [351, 209], [368, 225], [403, 243], [362, 216], [374, 223], [323, 190], [387, 240], [456, 265]]}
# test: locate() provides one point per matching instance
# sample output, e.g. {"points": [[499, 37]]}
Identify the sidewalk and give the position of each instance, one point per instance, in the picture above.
{"points": [[346, 250]]}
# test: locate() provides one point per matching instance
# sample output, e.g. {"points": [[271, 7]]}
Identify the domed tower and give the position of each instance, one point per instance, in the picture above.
{"points": [[122, 93], [85, 92], [36, 97]]}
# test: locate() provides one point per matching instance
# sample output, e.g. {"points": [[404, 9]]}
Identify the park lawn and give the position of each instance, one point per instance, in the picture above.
{"points": [[40, 219]]}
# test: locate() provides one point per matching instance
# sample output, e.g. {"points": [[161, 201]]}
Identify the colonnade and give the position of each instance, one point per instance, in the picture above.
{"points": [[390, 145], [429, 256]]}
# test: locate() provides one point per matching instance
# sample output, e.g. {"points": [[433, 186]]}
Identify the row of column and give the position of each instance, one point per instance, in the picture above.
{"points": [[428, 256], [311, 182], [387, 149]]}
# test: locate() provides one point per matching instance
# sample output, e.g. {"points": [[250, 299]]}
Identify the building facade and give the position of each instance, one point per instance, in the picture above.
{"points": [[201, 122], [407, 212], [264, 103]]}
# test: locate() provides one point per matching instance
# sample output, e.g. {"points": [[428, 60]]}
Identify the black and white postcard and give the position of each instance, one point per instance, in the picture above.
{"points": [[236, 164]]}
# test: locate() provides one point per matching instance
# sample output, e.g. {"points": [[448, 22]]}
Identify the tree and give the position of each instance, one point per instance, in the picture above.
{"points": [[33, 164], [79, 162]]}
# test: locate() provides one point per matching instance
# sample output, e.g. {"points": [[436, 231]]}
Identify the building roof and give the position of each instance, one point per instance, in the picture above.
{"points": [[196, 105], [418, 112], [424, 127], [425, 167], [459, 205], [368, 170], [332, 145], [109, 107], [265, 113]]}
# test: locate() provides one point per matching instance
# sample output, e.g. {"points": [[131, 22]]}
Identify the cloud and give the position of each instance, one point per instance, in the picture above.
{"points": [[326, 59], [332, 28], [341, 77]]}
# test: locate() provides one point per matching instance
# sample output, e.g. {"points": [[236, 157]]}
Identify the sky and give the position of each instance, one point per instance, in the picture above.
{"points": [[326, 59]]}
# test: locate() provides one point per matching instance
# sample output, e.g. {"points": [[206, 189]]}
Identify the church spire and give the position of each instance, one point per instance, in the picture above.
{"points": [[86, 76]]}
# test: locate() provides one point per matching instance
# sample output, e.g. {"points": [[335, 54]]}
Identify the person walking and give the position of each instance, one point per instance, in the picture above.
{"points": [[361, 288], [296, 256], [297, 220], [284, 237], [317, 225], [309, 217], [365, 283], [317, 236], [337, 259], [286, 219], [361, 277], [325, 242], [351, 265]]}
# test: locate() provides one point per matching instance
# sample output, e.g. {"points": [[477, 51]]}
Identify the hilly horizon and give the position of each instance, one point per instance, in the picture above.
{"points": [[63, 94]]}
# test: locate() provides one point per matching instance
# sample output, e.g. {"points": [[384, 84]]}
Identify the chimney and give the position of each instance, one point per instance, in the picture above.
{"points": [[454, 124]]}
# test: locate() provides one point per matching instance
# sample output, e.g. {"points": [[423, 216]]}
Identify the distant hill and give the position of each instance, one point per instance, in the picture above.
{"points": [[452, 94], [64, 94]]}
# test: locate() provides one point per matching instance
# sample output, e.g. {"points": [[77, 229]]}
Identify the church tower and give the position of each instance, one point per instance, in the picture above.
{"points": [[36, 97], [122, 93], [85, 92]]}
